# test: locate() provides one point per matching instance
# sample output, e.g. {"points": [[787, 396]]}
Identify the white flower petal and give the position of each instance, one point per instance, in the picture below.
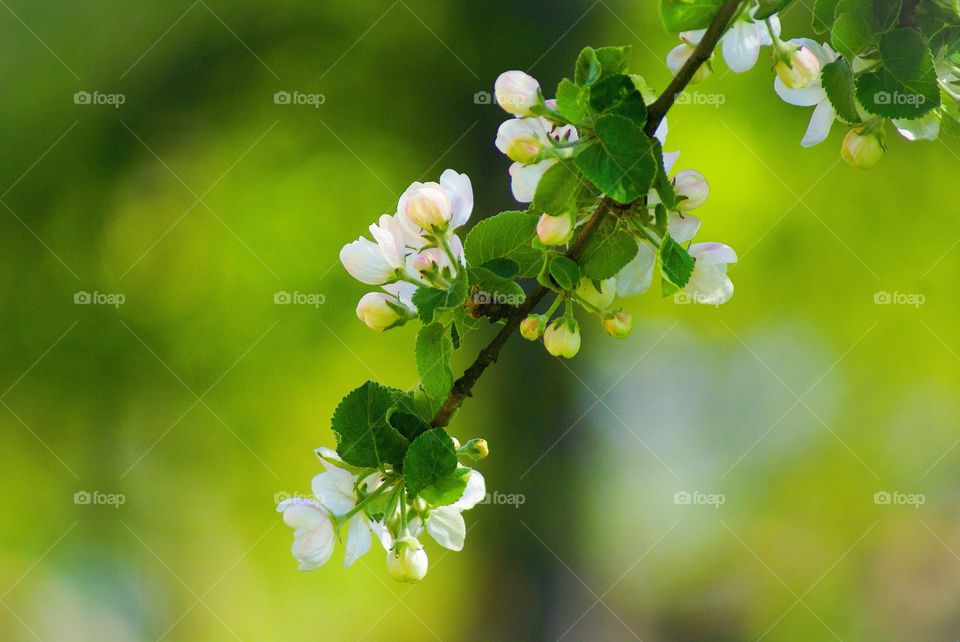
{"points": [[313, 537], [358, 539], [446, 526], [683, 227], [474, 493], [806, 97], [637, 275], [713, 253], [669, 160], [365, 262], [335, 490], [741, 46], [382, 534], [820, 123], [525, 178], [661, 133], [926, 128]]}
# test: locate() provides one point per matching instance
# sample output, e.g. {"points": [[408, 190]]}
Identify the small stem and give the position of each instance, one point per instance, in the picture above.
{"points": [[363, 502], [777, 43], [403, 508]]}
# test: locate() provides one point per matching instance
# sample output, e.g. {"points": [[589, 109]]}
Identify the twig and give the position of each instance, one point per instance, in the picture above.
{"points": [[463, 386]]}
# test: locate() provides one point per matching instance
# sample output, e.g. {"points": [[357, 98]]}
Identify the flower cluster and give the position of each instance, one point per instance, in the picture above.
{"points": [[878, 66], [416, 247], [536, 143], [372, 503]]}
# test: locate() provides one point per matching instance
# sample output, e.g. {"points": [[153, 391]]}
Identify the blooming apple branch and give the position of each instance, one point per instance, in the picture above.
{"points": [[605, 212]]}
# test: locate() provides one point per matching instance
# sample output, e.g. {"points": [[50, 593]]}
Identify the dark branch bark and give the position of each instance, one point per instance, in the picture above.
{"points": [[700, 55], [463, 386]]}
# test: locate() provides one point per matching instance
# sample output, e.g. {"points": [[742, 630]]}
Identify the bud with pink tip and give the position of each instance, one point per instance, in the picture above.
{"points": [[517, 92], [618, 324], [693, 186], [797, 66], [555, 230], [562, 338], [863, 150]]}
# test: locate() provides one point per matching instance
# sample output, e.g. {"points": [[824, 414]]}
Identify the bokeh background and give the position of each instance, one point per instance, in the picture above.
{"points": [[779, 416]]}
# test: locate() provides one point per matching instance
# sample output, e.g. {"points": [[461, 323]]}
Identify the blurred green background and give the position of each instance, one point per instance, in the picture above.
{"points": [[198, 399]]}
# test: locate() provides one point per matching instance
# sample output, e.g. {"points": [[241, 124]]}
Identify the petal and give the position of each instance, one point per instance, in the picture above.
{"points": [[926, 128], [383, 534], [335, 490], [474, 493], [365, 262], [669, 160], [635, 277], [806, 97], [741, 47], [815, 48], [314, 536], [762, 29], [527, 177], [710, 285], [446, 526], [712, 253], [820, 123], [358, 539], [661, 133], [683, 227]]}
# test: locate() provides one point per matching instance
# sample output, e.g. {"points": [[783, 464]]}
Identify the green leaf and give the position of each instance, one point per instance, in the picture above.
{"points": [[676, 264], [837, 80], [430, 458], [364, 435], [572, 101], [434, 350], [558, 191], [609, 249], [664, 186], [851, 34], [405, 417], [620, 162], [685, 15], [447, 490], [594, 64], [906, 86], [565, 272], [619, 94], [432, 301], [823, 15], [767, 8], [490, 287], [505, 236]]}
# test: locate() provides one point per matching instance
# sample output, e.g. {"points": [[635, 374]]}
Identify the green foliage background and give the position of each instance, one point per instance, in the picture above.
{"points": [[199, 398]]}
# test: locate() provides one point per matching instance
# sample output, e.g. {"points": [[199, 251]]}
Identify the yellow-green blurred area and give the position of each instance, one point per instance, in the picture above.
{"points": [[781, 468]]}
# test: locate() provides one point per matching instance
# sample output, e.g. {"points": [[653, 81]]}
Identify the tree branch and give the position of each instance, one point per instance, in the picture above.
{"points": [[463, 386]]}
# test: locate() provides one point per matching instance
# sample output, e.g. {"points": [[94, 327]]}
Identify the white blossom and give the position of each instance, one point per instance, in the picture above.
{"points": [[517, 92], [824, 114]]}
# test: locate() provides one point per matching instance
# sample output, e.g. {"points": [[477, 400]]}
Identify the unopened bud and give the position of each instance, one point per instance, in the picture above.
{"points": [[532, 327], [618, 324], [861, 150], [798, 67], [554, 230], [517, 92], [600, 299], [562, 338], [522, 139], [475, 449], [691, 184], [381, 311], [407, 561]]}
